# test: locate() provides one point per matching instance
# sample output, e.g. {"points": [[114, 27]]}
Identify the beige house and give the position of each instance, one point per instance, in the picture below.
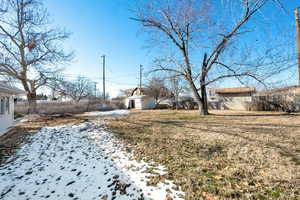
{"points": [[231, 98], [139, 99]]}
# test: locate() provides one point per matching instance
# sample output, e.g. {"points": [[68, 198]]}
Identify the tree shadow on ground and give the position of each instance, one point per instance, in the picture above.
{"points": [[244, 133], [256, 115]]}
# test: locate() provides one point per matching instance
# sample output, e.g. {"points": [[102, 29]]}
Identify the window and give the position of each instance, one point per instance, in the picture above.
{"points": [[7, 106], [1, 105], [211, 93]]}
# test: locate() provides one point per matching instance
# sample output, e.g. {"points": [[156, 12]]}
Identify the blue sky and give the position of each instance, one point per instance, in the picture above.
{"points": [[103, 27]]}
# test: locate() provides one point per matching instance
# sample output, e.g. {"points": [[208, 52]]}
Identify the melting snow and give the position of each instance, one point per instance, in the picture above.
{"points": [[107, 113], [78, 162]]}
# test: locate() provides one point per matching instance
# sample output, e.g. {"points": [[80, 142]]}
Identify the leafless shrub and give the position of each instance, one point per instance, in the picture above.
{"points": [[119, 102], [67, 107], [78, 89], [276, 102], [186, 104], [158, 89]]}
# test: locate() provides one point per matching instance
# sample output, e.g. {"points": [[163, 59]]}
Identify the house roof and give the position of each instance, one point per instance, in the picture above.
{"points": [[7, 89], [275, 90], [140, 97], [236, 90], [145, 91]]}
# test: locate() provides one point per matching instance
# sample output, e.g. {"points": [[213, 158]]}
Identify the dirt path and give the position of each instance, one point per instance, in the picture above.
{"points": [[79, 162]]}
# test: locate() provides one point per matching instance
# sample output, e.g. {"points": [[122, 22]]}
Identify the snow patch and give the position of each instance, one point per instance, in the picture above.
{"points": [[24, 120], [106, 113], [79, 162]]}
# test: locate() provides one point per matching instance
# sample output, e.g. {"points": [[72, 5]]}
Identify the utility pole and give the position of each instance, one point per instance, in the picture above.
{"points": [[298, 40], [141, 75], [95, 89], [103, 62]]}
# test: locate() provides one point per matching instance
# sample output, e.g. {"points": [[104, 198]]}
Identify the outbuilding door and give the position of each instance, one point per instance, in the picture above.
{"points": [[131, 104]]}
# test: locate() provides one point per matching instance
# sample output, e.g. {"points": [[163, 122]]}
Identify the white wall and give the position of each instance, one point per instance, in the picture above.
{"points": [[148, 103], [7, 119], [138, 103], [236, 101], [141, 102]]}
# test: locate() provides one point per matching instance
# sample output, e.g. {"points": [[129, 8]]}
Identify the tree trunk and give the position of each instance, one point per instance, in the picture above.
{"points": [[204, 103], [176, 102], [31, 97], [200, 101], [156, 102], [88, 105]]}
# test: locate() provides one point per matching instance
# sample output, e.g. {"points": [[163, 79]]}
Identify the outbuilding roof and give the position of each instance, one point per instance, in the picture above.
{"points": [[144, 91], [7, 89], [236, 90]]}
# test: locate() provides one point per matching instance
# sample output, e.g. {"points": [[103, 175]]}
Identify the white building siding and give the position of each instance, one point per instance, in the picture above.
{"points": [[6, 113], [148, 103], [141, 102], [138, 103]]}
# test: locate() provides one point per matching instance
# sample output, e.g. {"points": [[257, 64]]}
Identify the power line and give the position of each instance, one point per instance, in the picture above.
{"points": [[123, 83], [67, 75], [95, 79]]}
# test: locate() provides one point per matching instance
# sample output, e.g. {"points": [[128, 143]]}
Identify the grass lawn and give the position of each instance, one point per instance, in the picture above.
{"points": [[227, 155]]}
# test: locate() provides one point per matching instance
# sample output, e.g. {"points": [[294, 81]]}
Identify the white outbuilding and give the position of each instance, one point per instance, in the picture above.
{"points": [[7, 94], [140, 100]]}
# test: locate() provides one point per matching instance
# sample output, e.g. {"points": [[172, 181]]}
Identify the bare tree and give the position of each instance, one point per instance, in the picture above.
{"points": [[78, 89], [126, 92], [188, 25], [176, 88], [30, 50], [157, 88]]}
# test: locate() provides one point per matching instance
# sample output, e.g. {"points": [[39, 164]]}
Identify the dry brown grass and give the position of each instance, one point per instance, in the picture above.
{"points": [[227, 155]]}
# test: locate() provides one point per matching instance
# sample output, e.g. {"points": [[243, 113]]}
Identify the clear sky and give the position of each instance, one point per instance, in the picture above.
{"points": [[103, 27]]}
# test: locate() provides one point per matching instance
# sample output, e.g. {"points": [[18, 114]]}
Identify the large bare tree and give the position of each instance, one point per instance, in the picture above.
{"points": [[30, 49], [193, 27], [78, 89]]}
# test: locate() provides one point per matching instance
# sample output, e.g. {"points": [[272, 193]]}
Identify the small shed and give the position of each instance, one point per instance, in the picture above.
{"points": [[231, 98], [139, 99], [7, 94]]}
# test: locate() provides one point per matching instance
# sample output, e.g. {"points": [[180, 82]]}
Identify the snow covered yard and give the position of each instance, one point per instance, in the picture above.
{"points": [[80, 162]]}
